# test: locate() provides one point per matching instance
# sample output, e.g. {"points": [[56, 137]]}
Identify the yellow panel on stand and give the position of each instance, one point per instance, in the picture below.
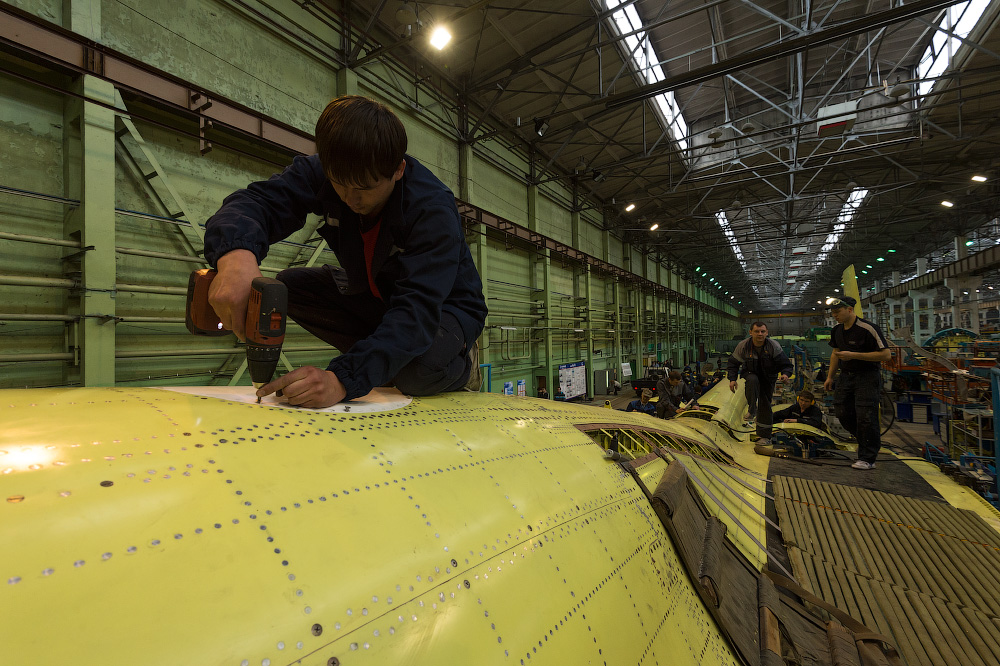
{"points": [[156, 527]]}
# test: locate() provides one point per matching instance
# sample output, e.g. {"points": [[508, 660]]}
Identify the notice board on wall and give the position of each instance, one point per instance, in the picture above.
{"points": [[573, 379]]}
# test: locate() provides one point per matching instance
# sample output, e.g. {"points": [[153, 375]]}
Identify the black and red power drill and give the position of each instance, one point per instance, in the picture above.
{"points": [[265, 324]]}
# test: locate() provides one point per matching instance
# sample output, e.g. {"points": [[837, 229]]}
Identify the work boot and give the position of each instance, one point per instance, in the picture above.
{"points": [[475, 382]]}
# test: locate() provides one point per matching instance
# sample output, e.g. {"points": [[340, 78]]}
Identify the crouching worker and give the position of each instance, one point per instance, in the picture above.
{"points": [[406, 305], [673, 391], [643, 404], [803, 411]]}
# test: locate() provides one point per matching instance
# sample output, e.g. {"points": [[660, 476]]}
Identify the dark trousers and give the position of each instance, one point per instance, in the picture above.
{"points": [[759, 391], [316, 304], [855, 402], [664, 408]]}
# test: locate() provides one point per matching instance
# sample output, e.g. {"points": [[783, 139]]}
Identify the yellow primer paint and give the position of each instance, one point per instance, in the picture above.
{"points": [[960, 497], [145, 526]]}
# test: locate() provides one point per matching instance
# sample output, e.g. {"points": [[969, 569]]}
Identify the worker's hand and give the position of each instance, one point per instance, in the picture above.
{"points": [[828, 384], [791, 421], [307, 386], [230, 289], [732, 386], [846, 355]]}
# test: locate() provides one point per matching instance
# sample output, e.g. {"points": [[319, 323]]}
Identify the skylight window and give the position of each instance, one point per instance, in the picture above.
{"points": [[843, 219], [959, 20], [647, 66], [733, 243]]}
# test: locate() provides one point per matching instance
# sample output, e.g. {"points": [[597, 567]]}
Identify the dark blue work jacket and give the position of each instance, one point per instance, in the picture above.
{"points": [[422, 265]]}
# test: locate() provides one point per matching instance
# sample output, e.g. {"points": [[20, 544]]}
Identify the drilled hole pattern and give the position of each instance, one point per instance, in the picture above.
{"points": [[556, 509]]}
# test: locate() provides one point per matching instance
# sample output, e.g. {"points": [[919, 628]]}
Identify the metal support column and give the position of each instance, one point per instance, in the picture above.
{"points": [[90, 177]]}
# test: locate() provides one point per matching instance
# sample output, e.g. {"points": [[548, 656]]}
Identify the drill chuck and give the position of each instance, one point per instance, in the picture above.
{"points": [[262, 360]]}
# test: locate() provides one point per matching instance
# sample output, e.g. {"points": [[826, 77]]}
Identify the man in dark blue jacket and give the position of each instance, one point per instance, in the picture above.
{"points": [[406, 305], [761, 359], [804, 410]]}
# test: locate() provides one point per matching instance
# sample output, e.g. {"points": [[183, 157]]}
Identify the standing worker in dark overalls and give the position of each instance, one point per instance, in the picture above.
{"points": [[761, 359], [858, 349]]}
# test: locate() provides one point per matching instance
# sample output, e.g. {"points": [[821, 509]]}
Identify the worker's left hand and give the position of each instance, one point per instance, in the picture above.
{"points": [[307, 386], [791, 421], [846, 355]]}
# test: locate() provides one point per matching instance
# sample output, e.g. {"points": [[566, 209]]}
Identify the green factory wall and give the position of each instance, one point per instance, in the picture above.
{"points": [[539, 304]]}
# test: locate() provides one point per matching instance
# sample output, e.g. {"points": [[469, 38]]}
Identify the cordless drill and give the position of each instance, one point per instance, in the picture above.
{"points": [[265, 323]]}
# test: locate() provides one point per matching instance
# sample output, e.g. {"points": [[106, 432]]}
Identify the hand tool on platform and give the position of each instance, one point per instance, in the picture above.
{"points": [[265, 323]]}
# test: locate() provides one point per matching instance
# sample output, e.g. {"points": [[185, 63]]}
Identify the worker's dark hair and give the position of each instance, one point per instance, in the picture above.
{"points": [[646, 393], [674, 374], [758, 323], [807, 395], [359, 141]]}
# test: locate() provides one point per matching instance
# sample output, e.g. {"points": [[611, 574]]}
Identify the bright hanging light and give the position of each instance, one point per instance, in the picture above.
{"points": [[880, 259], [947, 204], [970, 243], [979, 179], [440, 37], [654, 227], [629, 208]]}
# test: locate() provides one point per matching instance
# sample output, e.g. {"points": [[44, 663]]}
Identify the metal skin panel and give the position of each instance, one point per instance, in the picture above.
{"points": [[463, 528]]}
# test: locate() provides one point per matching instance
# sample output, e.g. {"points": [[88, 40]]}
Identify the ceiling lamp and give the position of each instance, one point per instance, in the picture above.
{"points": [[440, 38], [947, 204], [541, 127], [598, 176], [899, 89], [748, 127], [979, 179], [629, 208], [714, 133], [654, 227]]}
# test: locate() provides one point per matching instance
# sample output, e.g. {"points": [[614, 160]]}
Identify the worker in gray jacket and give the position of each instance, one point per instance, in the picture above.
{"points": [[759, 360]]}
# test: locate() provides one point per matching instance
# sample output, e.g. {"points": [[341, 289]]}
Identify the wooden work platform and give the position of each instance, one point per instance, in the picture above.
{"points": [[921, 572]]}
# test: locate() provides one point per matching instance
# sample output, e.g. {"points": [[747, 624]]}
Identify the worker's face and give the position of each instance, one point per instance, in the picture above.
{"points": [[841, 314], [370, 198], [804, 403], [758, 333]]}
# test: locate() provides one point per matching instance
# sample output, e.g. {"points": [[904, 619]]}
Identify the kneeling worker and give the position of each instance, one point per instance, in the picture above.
{"points": [[407, 305], [642, 404], [673, 390], [803, 411]]}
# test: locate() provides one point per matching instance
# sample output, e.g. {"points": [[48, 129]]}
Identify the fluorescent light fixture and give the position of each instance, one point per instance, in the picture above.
{"points": [[440, 37], [979, 179], [868, 265], [508, 328], [970, 243], [541, 127], [836, 291], [578, 330], [654, 227], [864, 272], [947, 204], [629, 208], [880, 259], [890, 250]]}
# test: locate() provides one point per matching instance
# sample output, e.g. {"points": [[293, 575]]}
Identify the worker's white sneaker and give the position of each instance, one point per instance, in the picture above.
{"points": [[863, 464], [475, 372]]}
